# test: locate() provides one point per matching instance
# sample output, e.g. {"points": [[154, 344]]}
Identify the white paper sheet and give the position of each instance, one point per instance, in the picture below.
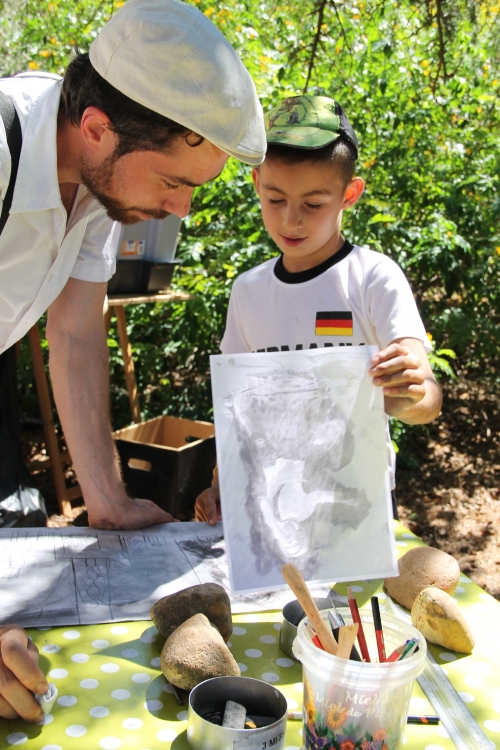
{"points": [[303, 466], [78, 576]]}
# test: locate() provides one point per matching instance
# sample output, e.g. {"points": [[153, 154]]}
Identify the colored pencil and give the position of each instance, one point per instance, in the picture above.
{"points": [[398, 652], [314, 637], [178, 696], [296, 716], [353, 606], [410, 649], [379, 634]]}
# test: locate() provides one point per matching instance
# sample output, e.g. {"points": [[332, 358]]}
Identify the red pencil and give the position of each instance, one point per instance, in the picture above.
{"points": [[377, 621], [397, 652], [353, 606], [314, 637]]}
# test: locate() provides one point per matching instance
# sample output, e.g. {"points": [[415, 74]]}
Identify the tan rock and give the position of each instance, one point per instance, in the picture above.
{"points": [[208, 598], [438, 617], [194, 652], [420, 568]]}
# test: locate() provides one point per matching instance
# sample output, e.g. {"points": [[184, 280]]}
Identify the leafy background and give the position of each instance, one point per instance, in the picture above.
{"points": [[419, 81]]}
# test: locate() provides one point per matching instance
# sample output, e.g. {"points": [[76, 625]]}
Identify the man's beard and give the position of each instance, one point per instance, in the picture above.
{"points": [[98, 181]]}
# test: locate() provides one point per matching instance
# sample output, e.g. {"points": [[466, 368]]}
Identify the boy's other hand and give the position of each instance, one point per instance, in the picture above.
{"points": [[411, 392], [207, 507], [20, 675]]}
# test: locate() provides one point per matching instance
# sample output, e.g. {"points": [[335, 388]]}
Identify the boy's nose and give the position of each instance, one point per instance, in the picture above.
{"points": [[293, 218]]}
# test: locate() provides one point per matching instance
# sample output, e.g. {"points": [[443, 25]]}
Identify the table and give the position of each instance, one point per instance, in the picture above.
{"points": [[112, 693]]}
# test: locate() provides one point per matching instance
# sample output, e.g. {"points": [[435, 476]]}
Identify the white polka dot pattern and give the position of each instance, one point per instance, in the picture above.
{"points": [[51, 648], [110, 743], [153, 705], [120, 695], [140, 677], [71, 635], [132, 723], [58, 674], [76, 730], [99, 712], [166, 735], [67, 700], [110, 668], [80, 658], [89, 684], [17, 738]]}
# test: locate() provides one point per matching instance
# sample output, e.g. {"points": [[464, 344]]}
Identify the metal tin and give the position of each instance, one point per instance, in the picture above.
{"points": [[292, 615], [259, 698]]}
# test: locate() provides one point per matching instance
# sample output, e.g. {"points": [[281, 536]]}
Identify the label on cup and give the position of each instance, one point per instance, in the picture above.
{"points": [[260, 743]]}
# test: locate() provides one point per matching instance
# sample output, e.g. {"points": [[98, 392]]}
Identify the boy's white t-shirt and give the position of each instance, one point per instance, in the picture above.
{"points": [[357, 297]]}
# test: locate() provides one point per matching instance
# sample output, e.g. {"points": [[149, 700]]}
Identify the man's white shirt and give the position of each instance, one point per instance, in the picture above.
{"points": [[40, 246]]}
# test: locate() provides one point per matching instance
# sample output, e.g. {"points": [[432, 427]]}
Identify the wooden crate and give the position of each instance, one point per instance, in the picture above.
{"points": [[168, 460]]}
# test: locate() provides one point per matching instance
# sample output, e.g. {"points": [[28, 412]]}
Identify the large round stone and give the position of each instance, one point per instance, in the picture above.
{"points": [[420, 568], [208, 598], [439, 618], [194, 653]]}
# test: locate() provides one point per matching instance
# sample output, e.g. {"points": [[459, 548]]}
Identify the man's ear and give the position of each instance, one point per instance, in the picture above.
{"points": [[95, 128], [256, 178], [353, 192]]}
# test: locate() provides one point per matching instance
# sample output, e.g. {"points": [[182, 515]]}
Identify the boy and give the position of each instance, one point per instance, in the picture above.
{"points": [[322, 290]]}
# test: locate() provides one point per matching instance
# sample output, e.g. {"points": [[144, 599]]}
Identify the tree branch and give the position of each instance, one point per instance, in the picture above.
{"points": [[321, 12]]}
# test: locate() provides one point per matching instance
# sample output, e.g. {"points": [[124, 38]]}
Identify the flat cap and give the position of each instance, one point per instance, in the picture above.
{"points": [[169, 57]]}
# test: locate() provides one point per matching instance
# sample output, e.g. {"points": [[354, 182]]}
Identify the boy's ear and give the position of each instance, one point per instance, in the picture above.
{"points": [[256, 178], [353, 192]]}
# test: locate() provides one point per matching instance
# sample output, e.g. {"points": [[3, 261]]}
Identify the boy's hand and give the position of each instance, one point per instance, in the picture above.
{"points": [[20, 675], [411, 392], [207, 507]]}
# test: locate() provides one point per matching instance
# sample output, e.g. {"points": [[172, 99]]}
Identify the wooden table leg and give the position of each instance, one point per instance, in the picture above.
{"points": [[128, 363], [48, 418], [107, 319]]}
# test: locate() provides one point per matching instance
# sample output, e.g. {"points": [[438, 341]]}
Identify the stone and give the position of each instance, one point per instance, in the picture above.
{"points": [[420, 568], [195, 652], [208, 598], [439, 618]]}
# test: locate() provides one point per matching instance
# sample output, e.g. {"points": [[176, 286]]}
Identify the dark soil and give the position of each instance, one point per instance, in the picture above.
{"points": [[448, 485], [448, 481]]}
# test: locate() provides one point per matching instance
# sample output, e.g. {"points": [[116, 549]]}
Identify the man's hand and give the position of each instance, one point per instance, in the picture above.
{"points": [[129, 513], [207, 507], [20, 675], [411, 392]]}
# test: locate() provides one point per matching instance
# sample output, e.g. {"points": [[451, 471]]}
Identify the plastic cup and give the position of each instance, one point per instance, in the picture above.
{"points": [[352, 705]]}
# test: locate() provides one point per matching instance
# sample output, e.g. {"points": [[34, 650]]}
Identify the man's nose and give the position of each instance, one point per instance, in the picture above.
{"points": [[179, 203]]}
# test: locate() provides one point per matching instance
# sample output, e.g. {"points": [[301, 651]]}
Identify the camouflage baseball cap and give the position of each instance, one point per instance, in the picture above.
{"points": [[308, 122]]}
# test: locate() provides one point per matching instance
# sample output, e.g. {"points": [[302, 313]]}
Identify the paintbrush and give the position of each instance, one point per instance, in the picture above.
{"points": [[299, 588]]}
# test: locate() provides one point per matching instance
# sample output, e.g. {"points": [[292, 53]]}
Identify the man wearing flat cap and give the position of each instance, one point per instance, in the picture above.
{"points": [[149, 114], [153, 111]]}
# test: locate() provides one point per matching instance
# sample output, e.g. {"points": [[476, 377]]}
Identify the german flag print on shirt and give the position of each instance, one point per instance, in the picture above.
{"points": [[334, 324]]}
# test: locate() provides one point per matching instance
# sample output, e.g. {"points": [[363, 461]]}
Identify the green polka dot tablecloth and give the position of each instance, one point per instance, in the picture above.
{"points": [[112, 693]]}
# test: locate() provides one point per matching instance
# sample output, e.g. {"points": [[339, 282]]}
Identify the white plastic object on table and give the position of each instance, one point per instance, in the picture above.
{"points": [[48, 699]]}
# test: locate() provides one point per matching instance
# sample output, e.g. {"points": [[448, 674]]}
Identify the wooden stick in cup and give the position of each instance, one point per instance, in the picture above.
{"points": [[299, 588], [347, 636]]}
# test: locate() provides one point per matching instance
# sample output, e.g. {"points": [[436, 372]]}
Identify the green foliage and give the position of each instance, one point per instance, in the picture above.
{"points": [[419, 81]]}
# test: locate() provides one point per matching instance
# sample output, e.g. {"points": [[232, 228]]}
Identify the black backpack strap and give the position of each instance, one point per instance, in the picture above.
{"points": [[14, 141]]}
